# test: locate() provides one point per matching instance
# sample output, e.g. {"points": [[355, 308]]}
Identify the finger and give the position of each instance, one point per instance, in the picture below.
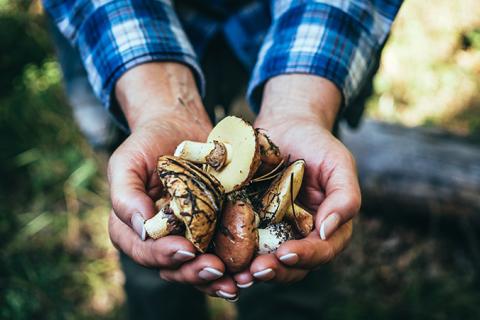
{"points": [[244, 279], [167, 252], [342, 196], [267, 267], [203, 269], [222, 288], [310, 252], [128, 176]]}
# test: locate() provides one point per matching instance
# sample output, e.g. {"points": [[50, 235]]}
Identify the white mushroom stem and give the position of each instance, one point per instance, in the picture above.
{"points": [[270, 238], [162, 224], [216, 154]]}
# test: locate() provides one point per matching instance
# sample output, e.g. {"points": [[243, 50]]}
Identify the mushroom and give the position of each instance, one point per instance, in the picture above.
{"points": [[270, 155], [164, 223], [282, 193], [271, 237], [195, 200], [236, 240], [216, 154], [300, 218], [277, 210], [231, 153]]}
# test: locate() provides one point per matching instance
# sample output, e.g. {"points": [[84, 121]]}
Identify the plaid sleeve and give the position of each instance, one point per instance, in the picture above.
{"points": [[113, 36], [335, 39]]}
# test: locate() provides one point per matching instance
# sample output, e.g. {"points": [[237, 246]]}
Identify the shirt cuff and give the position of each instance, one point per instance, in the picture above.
{"points": [[120, 35], [316, 39]]}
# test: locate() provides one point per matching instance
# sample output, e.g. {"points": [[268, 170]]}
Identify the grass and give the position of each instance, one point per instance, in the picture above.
{"points": [[56, 261]]}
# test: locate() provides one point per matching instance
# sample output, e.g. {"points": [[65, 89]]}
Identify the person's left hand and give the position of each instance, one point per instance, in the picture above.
{"points": [[330, 187]]}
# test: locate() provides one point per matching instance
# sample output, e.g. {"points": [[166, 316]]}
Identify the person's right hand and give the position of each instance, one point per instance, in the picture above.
{"points": [[162, 107]]}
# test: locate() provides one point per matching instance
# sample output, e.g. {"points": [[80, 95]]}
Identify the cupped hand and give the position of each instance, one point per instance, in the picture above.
{"points": [[157, 128], [330, 188]]}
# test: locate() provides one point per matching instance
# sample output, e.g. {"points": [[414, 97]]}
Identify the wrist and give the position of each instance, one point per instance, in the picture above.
{"points": [[159, 91], [300, 96]]}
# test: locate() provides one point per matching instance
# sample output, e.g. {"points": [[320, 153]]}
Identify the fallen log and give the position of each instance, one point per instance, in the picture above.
{"points": [[416, 170]]}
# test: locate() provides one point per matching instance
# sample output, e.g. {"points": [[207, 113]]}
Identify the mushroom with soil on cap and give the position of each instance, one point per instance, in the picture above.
{"points": [[278, 208], [233, 152], [271, 237], [194, 200], [270, 155]]}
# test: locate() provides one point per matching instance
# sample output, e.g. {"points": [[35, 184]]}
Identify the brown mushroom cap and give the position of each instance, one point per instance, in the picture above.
{"points": [[196, 198], [236, 240], [301, 219], [270, 155]]}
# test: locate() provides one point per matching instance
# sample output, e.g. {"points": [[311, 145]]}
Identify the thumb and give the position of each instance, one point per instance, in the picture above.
{"points": [[342, 198], [131, 203]]}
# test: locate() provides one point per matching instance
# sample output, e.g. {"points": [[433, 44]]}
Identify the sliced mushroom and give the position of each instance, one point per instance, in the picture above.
{"points": [[300, 218], [271, 237], [196, 200], [282, 193], [231, 152], [236, 240]]}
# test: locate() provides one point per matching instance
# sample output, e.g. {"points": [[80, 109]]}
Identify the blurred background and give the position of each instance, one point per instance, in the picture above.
{"points": [[56, 261]]}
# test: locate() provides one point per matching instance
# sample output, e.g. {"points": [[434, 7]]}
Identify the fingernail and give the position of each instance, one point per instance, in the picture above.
{"points": [[226, 295], [289, 258], [182, 255], [233, 300], [209, 274], [244, 285], [138, 225], [264, 274], [329, 225]]}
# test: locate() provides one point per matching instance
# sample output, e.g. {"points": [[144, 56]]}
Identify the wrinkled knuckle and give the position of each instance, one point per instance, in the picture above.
{"points": [[329, 254], [160, 256], [117, 204], [309, 252], [138, 255]]}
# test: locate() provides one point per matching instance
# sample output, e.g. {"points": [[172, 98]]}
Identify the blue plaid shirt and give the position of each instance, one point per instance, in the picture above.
{"points": [[335, 39]]}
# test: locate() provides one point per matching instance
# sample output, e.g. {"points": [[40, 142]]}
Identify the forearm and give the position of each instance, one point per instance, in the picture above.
{"points": [[159, 90], [301, 96]]}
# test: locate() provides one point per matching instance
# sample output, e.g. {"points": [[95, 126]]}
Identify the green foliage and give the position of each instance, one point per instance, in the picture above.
{"points": [[54, 207], [430, 67], [16, 54], [471, 39], [56, 261]]}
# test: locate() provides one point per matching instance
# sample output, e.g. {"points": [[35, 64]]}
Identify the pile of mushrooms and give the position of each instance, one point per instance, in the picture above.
{"points": [[235, 189]]}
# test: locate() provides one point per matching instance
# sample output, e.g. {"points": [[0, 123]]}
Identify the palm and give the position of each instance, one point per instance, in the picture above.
{"points": [[316, 145], [143, 147]]}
